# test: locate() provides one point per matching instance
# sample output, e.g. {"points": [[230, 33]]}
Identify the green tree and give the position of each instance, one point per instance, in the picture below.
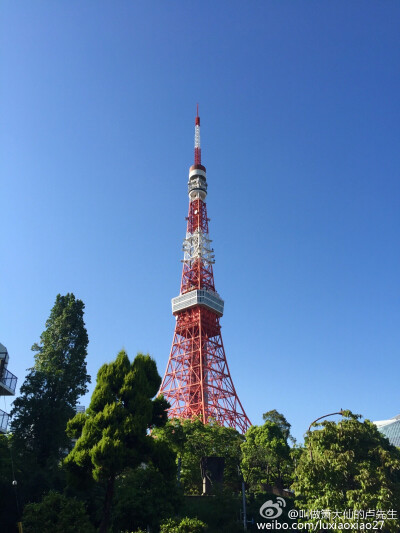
{"points": [[113, 433], [191, 440], [56, 514], [266, 457], [348, 465], [280, 420], [48, 397]]}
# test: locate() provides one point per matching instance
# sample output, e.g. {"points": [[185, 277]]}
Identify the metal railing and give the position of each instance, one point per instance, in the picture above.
{"points": [[9, 380], [3, 421]]}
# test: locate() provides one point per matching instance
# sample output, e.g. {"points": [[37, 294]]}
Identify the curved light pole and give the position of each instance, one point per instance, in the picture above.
{"points": [[341, 412]]}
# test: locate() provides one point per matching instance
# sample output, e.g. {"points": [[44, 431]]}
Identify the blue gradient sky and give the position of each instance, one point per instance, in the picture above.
{"points": [[299, 102]]}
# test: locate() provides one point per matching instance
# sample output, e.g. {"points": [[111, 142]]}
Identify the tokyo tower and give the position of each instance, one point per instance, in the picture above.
{"points": [[197, 381]]}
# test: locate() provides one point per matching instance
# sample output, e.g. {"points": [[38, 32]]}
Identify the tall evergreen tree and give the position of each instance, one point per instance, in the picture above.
{"points": [[113, 433], [49, 395]]}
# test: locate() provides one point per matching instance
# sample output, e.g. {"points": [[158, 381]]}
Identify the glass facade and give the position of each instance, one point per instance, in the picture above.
{"points": [[3, 421], [392, 432], [9, 381]]}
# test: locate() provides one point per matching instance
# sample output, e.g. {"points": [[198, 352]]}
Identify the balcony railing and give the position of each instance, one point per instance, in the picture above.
{"points": [[3, 421], [9, 380]]}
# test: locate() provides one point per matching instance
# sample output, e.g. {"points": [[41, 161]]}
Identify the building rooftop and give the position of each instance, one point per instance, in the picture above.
{"points": [[391, 429]]}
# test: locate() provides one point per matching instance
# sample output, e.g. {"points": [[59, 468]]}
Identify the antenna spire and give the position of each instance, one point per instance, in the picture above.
{"points": [[197, 148]]}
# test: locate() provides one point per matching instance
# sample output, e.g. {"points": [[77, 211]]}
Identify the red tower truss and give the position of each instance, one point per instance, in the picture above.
{"points": [[197, 381]]}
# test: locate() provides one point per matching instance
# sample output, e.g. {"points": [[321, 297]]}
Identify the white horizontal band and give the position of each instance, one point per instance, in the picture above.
{"points": [[197, 172]]}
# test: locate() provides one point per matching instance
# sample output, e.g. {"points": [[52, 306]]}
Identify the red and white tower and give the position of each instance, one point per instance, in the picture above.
{"points": [[197, 381]]}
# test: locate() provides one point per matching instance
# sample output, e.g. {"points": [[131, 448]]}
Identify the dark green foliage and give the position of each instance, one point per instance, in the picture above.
{"points": [[112, 434], [56, 514], [8, 503], [48, 397], [191, 440], [90, 493], [61, 353], [52, 387], [221, 512], [186, 525], [145, 496], [348, 465], [266, 457]]}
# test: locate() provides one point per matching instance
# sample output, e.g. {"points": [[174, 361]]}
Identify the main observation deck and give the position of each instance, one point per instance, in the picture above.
{"points": [[203, 297]]}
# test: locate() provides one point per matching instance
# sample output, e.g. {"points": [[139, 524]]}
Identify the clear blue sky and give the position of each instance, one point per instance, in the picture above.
{"points": [[299, 102]]}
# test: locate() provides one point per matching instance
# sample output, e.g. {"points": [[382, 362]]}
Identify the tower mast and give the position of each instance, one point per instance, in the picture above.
{"points": [[197, 381]]}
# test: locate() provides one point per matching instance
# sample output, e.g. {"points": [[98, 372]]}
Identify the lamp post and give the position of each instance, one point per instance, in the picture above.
{"points": [[243, 499], [341, 413]]}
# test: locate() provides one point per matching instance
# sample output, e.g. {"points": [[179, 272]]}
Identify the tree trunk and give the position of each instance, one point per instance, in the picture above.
{"points": [[107, 505]]}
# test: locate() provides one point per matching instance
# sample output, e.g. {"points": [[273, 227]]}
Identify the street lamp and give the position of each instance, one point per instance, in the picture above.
{"points": [[341, 413]]}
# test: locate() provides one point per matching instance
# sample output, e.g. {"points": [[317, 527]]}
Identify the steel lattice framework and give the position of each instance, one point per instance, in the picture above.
{"points": [[197, 381]]}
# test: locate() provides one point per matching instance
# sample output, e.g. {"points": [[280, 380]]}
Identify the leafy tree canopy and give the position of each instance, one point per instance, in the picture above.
{"points": [[191, 440], [280, 420], [266, 457], [348, 465]]}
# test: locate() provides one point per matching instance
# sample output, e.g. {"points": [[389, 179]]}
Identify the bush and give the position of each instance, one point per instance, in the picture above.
{"points": [[145, 496], [221, 512], [56, 513], [186, 525]]}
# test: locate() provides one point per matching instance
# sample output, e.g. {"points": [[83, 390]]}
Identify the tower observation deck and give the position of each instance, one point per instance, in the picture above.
{"points": [[197, 381]]}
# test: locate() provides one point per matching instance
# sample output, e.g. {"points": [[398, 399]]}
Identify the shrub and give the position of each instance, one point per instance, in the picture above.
{"points": [[56, 513], [186, 525]]}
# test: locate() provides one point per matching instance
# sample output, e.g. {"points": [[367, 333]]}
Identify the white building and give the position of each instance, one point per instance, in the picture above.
{"points": [[391, 429], [8, 383]]}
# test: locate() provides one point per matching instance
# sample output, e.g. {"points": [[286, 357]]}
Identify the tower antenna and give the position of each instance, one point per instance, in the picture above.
{"points": [[197, 146]]}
